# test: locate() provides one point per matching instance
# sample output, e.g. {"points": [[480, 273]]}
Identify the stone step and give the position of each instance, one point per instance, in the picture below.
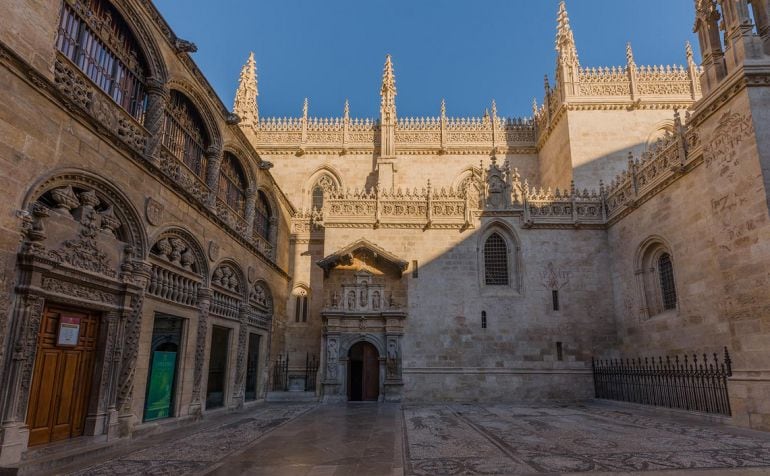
{"points": [[291, 397]]}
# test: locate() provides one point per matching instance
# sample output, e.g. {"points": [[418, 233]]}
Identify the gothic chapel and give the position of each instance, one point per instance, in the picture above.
{"points": [[164, 259]]}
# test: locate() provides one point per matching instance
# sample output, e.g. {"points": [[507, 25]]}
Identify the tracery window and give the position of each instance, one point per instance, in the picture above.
{"points": [[231, 188], [184, 134], [322, 186], [94, 36], [262, 216], [495, 261]]}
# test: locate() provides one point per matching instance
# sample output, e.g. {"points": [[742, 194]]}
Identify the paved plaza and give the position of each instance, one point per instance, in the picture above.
{"points": [[451, 439]]}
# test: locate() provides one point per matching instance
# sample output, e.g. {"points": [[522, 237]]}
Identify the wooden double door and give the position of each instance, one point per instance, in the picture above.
{"points": [[64, 368], [363, 373]]}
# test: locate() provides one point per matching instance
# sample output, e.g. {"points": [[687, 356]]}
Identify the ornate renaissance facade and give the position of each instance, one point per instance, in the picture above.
{"points": [[163, 259]]}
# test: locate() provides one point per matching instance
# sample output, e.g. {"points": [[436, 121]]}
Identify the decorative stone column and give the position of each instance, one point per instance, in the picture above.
{"points": [[251, 210], [240, 364], [204, 300], [14, 433], [213, 163], [98, 422], [157, 100]]}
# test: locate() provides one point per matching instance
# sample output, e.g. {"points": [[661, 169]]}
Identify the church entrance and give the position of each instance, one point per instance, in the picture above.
{"points": [[363, 373], [61, 380]]}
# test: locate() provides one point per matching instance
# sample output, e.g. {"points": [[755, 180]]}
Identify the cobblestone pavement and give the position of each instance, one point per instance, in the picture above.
{"points": [[475, 439], [199, 451], [451, 439]]}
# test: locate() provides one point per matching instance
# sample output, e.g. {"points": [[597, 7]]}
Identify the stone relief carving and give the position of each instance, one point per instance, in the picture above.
{"points": [[153, 211], [391, 362], [227, 277], [213, 250], [722, 145], [26, 347], [77, 290], [331, 358], [554, 278]]}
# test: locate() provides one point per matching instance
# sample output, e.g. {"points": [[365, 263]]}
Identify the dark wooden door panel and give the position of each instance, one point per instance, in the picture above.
{"points": [[371, 373], [61, 381]]}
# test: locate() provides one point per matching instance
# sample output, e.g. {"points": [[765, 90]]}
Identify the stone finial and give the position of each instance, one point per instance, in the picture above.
{"points": [[346, 110], [534, 106], [305, 109], [546, 85], [565, 41], [494, 109], [688, 54], [388, 93], [245, 104], [629, 55], [443, 108]]}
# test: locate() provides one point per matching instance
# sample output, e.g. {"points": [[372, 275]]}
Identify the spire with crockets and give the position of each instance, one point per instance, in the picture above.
{"points": [[245, 104]]}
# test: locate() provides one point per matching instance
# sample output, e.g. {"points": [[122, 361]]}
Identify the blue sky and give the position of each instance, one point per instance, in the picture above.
{"points": [[468, 52]]}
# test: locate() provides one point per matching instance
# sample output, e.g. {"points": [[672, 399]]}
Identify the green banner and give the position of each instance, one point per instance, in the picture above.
{"points": [[161, 383]]}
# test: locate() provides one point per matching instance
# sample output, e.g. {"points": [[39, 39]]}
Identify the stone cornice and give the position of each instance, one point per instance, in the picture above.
{"points": [[747, 76]]}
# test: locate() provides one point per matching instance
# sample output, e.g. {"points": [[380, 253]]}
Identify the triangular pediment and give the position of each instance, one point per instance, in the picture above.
{"points": [[363, 248]]}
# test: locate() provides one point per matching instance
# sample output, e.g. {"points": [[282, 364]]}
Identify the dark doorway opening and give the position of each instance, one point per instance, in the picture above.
{"points": [[252, 365], [215, 387], [161, 378], [363, 373]]}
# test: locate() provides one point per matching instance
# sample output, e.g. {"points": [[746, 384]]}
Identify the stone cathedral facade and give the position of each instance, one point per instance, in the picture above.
{"points": [[160, 255]]}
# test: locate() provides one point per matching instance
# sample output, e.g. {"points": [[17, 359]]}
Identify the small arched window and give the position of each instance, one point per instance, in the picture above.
{"points": [[184, 134], [317, 198], [656, 273], [496, 261], [300, 305], [232, 184], [94, 36], [262, 216], [667, 287]]}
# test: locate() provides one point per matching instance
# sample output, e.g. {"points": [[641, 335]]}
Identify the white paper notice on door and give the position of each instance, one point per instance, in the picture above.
{"points": [[69, 331]]}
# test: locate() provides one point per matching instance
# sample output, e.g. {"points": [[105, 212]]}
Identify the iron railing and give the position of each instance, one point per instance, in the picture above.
{"points": [[281, 373], [311, 369], [689, 383]]}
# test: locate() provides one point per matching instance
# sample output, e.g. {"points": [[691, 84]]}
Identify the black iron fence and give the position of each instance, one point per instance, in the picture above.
{"points": [[281, 373], [282, 380], [311, 370], [689, 383]]}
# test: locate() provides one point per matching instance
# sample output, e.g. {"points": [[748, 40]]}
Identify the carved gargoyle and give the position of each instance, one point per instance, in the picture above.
{"points": [[233, 119], [184, 46]]}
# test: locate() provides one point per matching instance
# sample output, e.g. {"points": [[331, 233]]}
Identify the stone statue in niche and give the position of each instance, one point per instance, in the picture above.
{"points": [[335, 299], [351, 299], [364, 295], [376, 300], [392, 359], [331, 359]]}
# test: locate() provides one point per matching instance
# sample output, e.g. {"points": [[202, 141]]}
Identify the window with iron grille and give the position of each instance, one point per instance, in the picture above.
{"points": [[184, 134], [667, 288], [93, 35], [495, 261], [262, 217], [232, 184]]}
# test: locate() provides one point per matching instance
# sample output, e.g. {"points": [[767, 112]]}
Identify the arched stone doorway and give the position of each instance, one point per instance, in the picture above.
{"points": [[363, 373]]}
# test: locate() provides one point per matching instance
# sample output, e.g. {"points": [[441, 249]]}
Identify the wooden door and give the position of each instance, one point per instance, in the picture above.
{"points": [[371, 373], [61, 380]]}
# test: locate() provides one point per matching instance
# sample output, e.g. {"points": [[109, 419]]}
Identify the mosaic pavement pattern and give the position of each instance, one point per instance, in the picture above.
{"points": [[199, 451], [509, 439]]}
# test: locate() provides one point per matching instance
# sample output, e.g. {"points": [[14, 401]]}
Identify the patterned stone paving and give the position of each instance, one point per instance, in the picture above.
{"points": [[199, 451], [507, 439]]}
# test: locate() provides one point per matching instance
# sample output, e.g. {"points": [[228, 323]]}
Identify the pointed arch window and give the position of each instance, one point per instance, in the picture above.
{"points": [[496, 261], [656, 278], [184, 134], [263, 216], [322, 186], [231, 188], [94, 36]]}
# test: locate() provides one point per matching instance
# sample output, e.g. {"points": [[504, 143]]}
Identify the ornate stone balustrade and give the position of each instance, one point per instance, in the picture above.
{"points": [[667, 159], [412, 135], [425, 208], [113, 119]]}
